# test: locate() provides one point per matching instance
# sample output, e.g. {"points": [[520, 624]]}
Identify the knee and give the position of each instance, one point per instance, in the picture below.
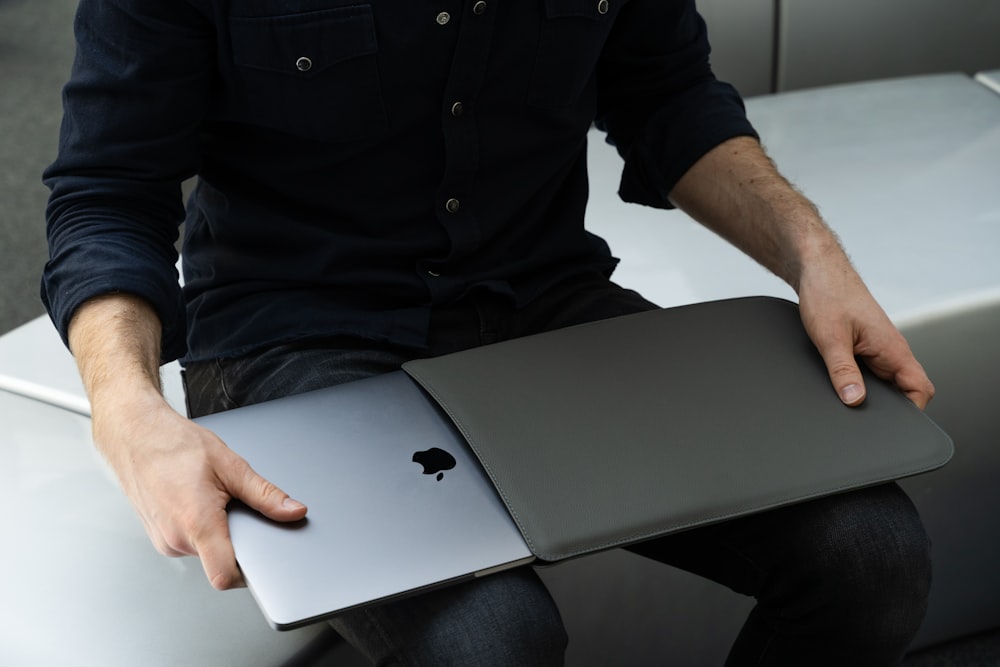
{"points": [[503, 620], [877, 536], [875, 561], [849, 586], [525, 626]]}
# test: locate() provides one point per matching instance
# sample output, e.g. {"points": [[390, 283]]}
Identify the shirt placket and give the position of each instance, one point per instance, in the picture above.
{"points": [[455, 207]]}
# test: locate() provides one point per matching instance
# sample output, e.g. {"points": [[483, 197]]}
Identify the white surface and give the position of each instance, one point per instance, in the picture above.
{"points": [[35, 363], [906, 172], [79, 580]]}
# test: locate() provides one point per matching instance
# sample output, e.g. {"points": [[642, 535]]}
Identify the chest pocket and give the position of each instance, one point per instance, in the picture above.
{"points": [[572, 36], [314, 74]]}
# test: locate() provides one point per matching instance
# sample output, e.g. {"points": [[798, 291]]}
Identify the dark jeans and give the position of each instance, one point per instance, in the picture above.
{"points": [[841, 580]]}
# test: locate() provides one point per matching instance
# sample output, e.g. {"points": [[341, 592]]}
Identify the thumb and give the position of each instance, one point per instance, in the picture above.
{"points": [[263, 496], [835, 341], [845, 376]]}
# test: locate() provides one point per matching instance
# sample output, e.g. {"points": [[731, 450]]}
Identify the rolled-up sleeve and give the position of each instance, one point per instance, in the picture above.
{"points": [[659, 101], [132, 112]]}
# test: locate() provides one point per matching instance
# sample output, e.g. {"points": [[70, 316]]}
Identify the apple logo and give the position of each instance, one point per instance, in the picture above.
{"points": [[434, 460]]}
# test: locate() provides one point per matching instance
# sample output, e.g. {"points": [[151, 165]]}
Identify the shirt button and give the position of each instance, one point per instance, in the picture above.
{"points": [[457, 109], [602, 7], [303, 64], [479, 7], [451, 205], [443, 18]]}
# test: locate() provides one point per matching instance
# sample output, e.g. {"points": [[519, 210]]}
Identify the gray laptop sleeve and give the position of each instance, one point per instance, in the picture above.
{"points": [[625, 429]]}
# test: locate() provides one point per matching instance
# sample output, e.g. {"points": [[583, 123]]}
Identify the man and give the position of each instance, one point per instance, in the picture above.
{"points": [[390, 180]]}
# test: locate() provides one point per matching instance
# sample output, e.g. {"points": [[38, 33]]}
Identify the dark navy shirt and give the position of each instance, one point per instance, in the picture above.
{"points": [[359, 162]]}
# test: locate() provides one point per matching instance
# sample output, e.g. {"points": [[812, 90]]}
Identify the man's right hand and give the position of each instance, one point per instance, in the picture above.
{"points": [[179, 476]]}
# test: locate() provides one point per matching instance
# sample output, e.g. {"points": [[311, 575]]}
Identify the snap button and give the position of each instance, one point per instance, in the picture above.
{"points": [[451, 205], [602, 7], [457, 109], [479, 7], [303, 64], [443, 18], [433, 274]]}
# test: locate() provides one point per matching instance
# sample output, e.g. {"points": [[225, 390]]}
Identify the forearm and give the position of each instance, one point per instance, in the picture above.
{"points": [[116, 342], [736, 191]]}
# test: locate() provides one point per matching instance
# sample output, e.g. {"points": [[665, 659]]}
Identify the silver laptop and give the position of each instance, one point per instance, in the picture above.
{"points": [[397, 501]]}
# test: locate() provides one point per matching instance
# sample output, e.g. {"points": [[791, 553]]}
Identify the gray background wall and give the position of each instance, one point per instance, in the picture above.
{"points": [[823, 42], [36, 47]]}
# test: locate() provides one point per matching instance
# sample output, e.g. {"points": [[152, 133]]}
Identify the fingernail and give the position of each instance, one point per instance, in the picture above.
{"points": [[851, 393], [290, 504]]}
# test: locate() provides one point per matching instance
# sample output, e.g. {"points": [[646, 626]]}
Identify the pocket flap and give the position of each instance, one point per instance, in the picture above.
{"points": [[303, 44]]}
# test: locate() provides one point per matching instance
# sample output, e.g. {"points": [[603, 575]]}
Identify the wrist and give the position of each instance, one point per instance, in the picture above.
{"points": [[122, 418], [816, 250], [124, 394]]}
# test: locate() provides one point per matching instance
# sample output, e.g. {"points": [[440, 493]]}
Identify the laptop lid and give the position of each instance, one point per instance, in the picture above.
{"points": [[397, 502]]}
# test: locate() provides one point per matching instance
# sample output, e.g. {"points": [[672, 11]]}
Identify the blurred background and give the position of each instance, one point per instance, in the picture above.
{"points": [[36, 51]]}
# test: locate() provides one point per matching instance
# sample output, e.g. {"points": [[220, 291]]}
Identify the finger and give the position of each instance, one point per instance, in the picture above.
{"points": [[844, 372], [906, 373], [260, 494], [916, 385], [163, 544], [920, 397], [216, 552]]}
